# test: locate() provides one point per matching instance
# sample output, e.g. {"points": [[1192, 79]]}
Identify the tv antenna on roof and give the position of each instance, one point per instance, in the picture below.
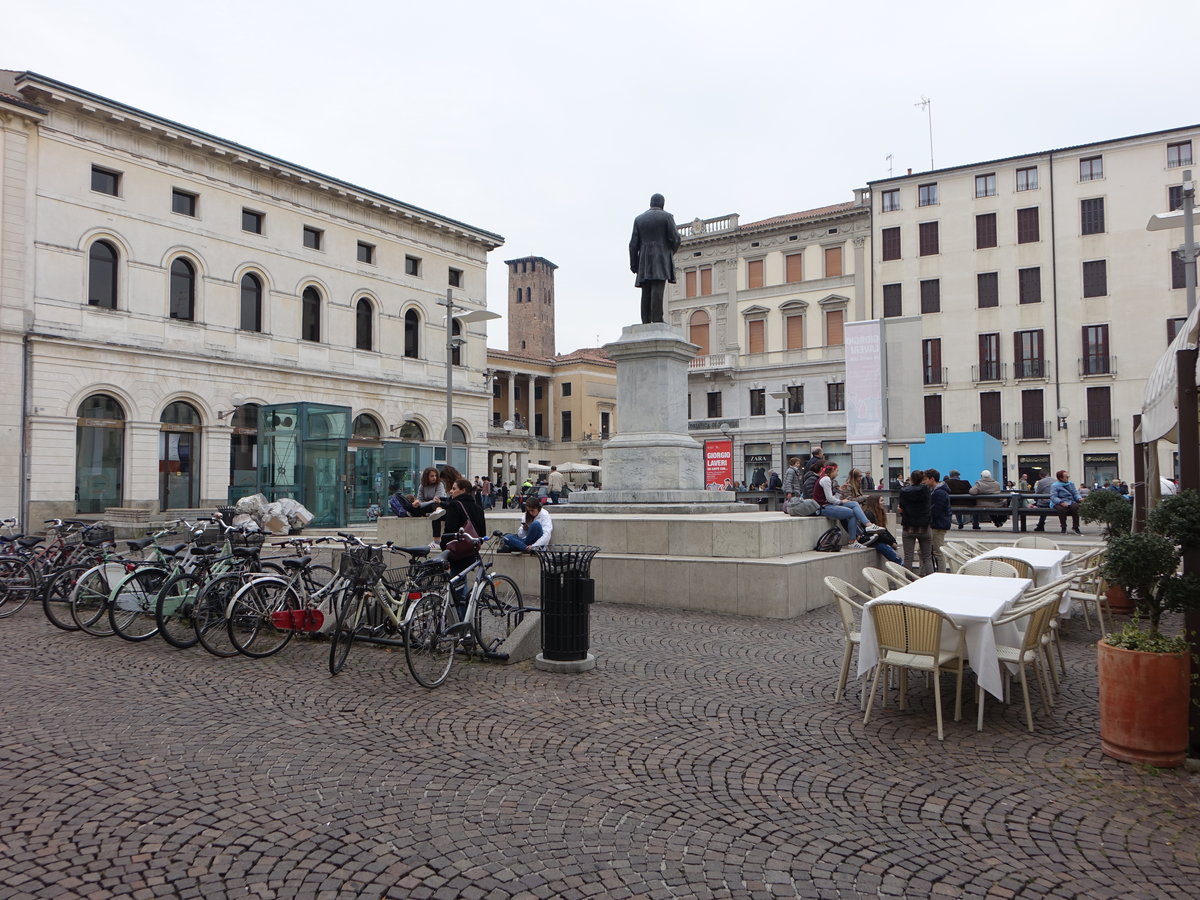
{"points": [[926, 105], [889, 162]]}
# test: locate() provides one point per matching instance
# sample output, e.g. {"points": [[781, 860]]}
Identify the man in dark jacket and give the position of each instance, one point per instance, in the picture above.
{"points": [[956, 485], [940, 519], [652, 256]]}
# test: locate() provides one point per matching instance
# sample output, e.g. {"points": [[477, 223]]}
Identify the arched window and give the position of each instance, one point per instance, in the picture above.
{"points": [[698, 330], [364, 315], [310, 315], [411, 431], [251, 303], [456, 347], [459, 436], [99, 454], [179, 457], [102, 275], [412, 334], [183, 290], [365, 428]]}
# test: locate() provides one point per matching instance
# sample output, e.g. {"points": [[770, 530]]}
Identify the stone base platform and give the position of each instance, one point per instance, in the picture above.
{"points": [[754, 564]]}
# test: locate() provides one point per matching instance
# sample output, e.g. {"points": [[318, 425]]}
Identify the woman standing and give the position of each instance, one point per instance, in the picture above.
{"points": [[916, 517]]}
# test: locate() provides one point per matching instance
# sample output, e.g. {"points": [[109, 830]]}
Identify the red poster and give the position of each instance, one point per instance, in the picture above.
{"points": [[718, 465]]}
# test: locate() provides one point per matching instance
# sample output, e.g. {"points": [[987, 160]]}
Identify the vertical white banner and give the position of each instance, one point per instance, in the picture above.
{"points": [[864, 382]]}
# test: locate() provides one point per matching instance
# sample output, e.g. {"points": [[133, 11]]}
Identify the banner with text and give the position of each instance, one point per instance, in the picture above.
{"points": [[864, 382], [718, 465]]}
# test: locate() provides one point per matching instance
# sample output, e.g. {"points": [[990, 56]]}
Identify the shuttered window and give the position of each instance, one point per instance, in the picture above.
{"points": [[928, 238], [985, 231], [833, 261], [757, 329], [1033, 415], [890, 238], [698, 330], [795, 332], [689, 283], [989, 414], [892, 301], [706, 282], [1029, 285], [1095, 278], [931, 295], [1091, 216], [834, 320], [794, 267], [933, 414], [754, 274], [931, 361], [1099, 412], [1027, 225], [988, 286]]}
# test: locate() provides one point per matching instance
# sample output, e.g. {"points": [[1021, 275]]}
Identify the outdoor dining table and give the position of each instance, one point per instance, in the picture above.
{"points": [[972, 601], [1047, 564]]}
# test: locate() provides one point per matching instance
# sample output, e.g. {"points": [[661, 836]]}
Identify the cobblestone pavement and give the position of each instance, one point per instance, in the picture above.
{"points": [[703, 757]]}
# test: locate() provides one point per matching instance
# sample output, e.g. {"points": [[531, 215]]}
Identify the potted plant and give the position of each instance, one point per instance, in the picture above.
{"points": [[1114, 514], [1144, 674]]}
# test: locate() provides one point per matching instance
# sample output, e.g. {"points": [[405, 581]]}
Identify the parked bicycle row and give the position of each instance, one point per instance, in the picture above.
{"points": [[213, 589]]}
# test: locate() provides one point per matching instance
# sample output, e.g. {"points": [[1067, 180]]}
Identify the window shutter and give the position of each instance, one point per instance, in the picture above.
{"points": [[795, 332], [794, 267], [754, 274], [833, 261], [833, 327], [757, 335]]}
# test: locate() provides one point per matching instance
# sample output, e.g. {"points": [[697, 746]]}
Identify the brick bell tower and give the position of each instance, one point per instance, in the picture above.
{"points": [[531, 306]]}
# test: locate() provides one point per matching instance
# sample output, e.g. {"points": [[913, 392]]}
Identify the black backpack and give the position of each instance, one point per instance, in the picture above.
{"points": [[830, 540]]}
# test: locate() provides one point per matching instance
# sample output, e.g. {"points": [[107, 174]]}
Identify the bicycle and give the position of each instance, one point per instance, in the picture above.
{"points": [[435, 629], [28, 564]]}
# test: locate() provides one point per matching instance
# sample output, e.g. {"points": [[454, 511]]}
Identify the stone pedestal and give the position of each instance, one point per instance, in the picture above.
{"points": [[653, 464]]}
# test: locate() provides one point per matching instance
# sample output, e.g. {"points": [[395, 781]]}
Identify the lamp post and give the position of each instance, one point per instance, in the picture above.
{"points": [[453, 343], [782, 397]]}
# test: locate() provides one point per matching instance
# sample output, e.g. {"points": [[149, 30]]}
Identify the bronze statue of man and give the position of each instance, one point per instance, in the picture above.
{"points": [[651, 256]]}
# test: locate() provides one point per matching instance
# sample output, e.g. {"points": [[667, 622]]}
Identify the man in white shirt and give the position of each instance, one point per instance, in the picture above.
{"points": [[555, 483]]}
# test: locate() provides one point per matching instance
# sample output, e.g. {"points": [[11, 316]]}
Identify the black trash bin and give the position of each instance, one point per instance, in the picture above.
{"points": [[567, 589]]}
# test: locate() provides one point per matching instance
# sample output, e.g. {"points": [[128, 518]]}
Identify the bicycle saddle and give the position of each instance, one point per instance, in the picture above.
{"points": [[297, 562], [205, 551], [415, 552], [29, 541], [95, 542], [171, 550], [245, 552], [139, 545]]}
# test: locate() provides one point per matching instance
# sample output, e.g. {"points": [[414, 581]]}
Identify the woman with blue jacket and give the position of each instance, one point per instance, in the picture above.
{"points": [[1064, 500]]}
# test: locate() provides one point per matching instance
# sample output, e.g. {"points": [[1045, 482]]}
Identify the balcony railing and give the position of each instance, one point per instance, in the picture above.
{"points": [[1102, 429], [709, 226], [1032, 431], [987, 371], [1031, 368], [933, 375], [998, 430], [1097, 365], [712, 362]]}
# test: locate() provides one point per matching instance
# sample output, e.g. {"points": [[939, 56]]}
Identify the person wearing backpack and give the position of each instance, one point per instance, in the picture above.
{"points": [[916, 516], [833, 507]]}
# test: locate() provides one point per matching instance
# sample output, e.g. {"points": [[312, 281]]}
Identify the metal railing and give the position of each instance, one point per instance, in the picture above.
{"points": [[1092, 429], [987, 371], [998, 430], [1032, 431], [1031, 368], [1097, 365], [933, 375]]}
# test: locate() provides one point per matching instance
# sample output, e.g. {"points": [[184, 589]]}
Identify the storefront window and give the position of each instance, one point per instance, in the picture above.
{"points": [[179, 457], [99, 454]]}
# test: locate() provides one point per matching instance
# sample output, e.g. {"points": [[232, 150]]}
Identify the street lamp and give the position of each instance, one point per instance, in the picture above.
{"points": [[782, 397], [452, 343]]}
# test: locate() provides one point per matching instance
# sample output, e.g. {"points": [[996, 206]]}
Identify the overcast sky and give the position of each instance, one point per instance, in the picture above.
{"points": [[551, 123]]}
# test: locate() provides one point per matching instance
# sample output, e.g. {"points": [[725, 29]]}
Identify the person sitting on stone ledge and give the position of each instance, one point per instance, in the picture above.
{"points": [[534, 533]]}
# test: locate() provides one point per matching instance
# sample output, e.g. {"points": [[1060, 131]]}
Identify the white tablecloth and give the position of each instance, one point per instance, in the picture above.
{"points": [[1047, 564], [972, 601]]}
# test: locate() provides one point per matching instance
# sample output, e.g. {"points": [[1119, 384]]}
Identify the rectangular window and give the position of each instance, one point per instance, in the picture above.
{"points": [[366, 252], [1091, 168], [927, 194], [412, 266], [931, 295], [1091, 216], [793, 265], [834, 324], [833, 262], [106, 181], [1095, 350], [1175, 197], [454, 277], [756, 331], [1178, 274], [1027, 225], [1099, 412], [890, 238], [933, 414], [989, 357], [566, 389], [1179, 154], [706, 281], [893, 303], [1028, 353], [605, 424], [537, 391], [795, 398], [985, 231], [566, 426], [714, 404], [754, 274], [252, 221], [1173, 328], [312, 237], [928, 238], [183, 202], [1033, 415], [985, 185], [990, 419], [837, 395], [795, 331], [1095, 278], [931, 361], [1027, 179], [1029, 284], [689, 283], [987, 287], [890, 200], [758, 401]]}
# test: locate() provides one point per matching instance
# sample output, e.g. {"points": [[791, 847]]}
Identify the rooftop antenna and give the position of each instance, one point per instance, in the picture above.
{"points": [[926, 105], [889, 162]]}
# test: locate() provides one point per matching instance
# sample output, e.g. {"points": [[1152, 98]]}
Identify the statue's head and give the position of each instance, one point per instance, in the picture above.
{"points": [[657, 201]]}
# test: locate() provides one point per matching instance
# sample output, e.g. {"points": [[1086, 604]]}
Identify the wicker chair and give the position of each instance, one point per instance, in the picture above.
{"points": [[1029, 652], [975, 547], [910, 637], [956, 556], [850, 605], [1084, 559], [993, 567], [906, 575], [879, 582], [1024, 569], [1088, 588], [1037, 542]]}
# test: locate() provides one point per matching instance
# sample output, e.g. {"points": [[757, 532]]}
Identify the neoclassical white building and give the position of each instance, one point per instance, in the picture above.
{"points": [[185, 320]]}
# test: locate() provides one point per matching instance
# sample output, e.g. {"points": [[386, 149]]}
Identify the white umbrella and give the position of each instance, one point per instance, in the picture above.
{"points": [[578, 467], [537, 467]]}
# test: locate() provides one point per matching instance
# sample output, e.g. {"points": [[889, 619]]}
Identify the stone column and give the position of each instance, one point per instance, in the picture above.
{"points": [[142, 450], [550, 429], [214, 462], [532, 407], [512, 382]]}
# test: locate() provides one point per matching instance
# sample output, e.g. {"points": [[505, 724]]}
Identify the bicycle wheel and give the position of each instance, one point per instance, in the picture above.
{"points": [[18, 582], [316, 577], [428, 649], [174, 610], [208, 618], [131, 607], [56, 597], [89, 598], [251, 630], [497, 612], [350, 610]]}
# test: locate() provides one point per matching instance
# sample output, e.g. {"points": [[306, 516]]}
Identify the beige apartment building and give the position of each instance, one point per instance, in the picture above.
{"points": [[766, 303], [1044, 301], [547, 409], [185, 320]]}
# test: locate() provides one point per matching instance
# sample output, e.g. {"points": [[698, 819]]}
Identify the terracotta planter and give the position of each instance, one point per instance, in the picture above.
{"points": [[1143, 705], [1119, 600]]}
